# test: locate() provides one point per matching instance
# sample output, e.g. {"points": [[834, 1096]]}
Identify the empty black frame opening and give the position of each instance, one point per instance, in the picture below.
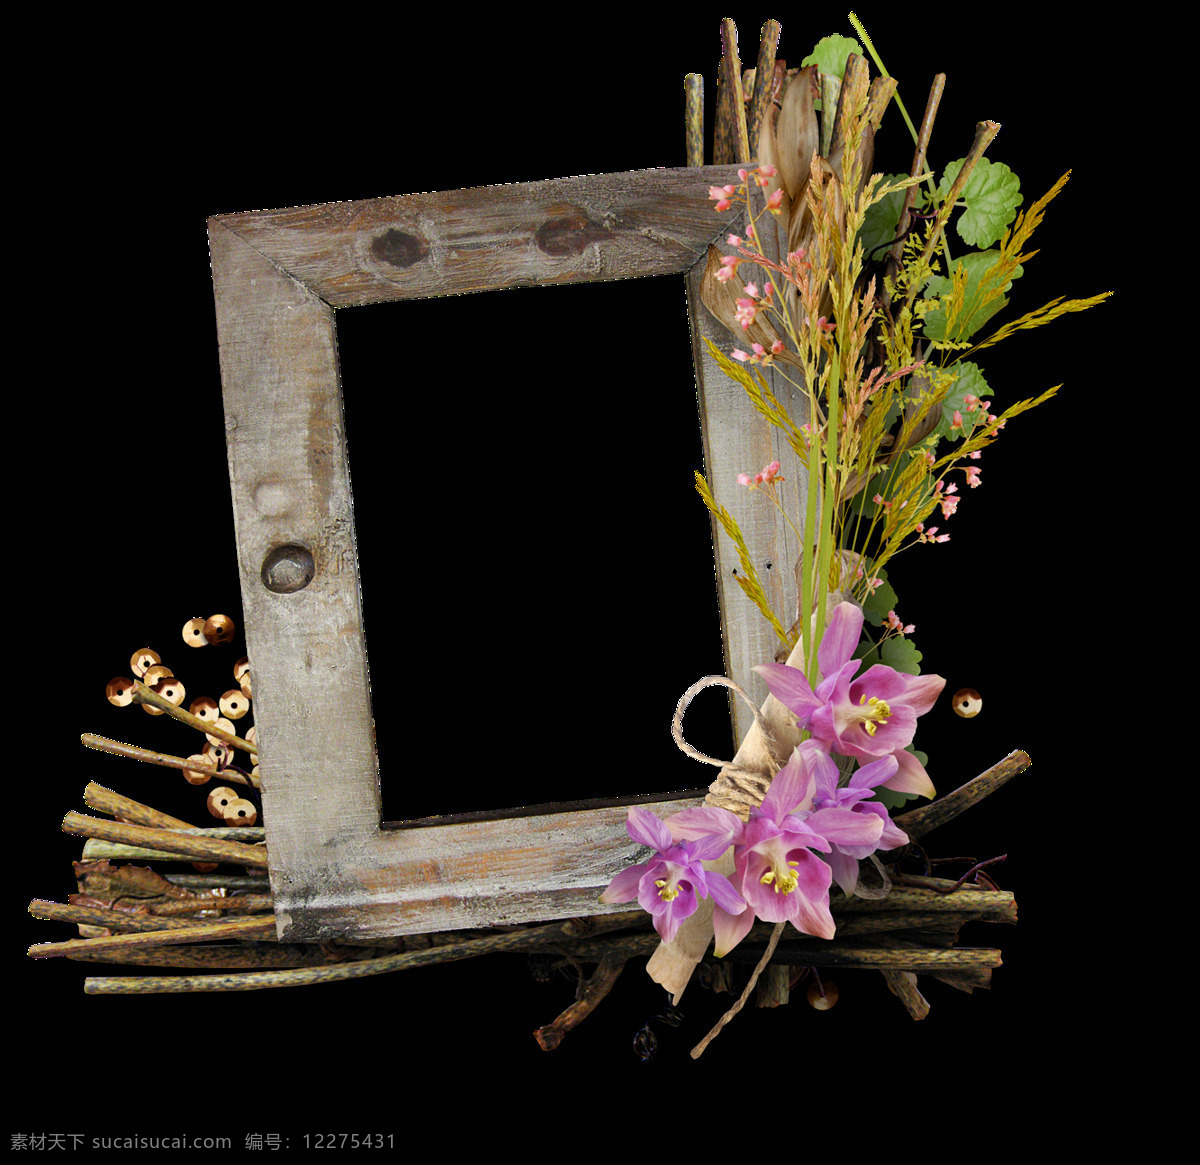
{"points": [[536, 566]]}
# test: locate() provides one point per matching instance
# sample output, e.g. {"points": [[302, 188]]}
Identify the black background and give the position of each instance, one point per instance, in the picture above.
{"points": [[478, 414]]}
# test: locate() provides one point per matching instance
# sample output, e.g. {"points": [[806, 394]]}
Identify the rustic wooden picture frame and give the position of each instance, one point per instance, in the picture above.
{"points": [[279, 276]]}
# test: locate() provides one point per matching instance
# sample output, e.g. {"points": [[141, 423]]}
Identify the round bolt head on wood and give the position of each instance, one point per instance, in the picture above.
{"points": [[119, 691], [288, 569], [967, 703], [193, 633], [219, 629]]}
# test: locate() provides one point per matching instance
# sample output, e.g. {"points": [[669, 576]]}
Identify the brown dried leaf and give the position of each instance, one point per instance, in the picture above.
{"points": [[720, 297], [797, 135]]}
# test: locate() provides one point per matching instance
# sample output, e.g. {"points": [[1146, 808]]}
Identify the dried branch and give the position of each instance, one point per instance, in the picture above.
{"points": [[194, 847], [593, 991], [918, 822]]}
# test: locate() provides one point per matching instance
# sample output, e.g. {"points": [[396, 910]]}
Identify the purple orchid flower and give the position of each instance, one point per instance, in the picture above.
{"points": [[668, 883], [854, 798], [775, 868], [872, 716]]}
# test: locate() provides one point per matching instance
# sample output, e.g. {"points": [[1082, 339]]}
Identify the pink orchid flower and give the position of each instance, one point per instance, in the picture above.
{"points": [[866, 717]]}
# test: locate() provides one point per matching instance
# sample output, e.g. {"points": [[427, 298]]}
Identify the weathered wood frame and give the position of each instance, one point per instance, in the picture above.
{"points": [[278, 277]]}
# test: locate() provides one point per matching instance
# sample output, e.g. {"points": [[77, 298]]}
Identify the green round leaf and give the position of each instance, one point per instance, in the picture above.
{"points": [[992, 195]]}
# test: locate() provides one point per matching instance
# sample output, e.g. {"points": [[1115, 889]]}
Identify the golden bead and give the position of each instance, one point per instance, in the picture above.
{"points": [[119, 691], [171, 688], [193, 633], [224, 725], [143, 658], [206, 708], [203, 772], [234, 704], [967, 703], [219, 798], [823, 1002], [240, 812], [219, 629]]}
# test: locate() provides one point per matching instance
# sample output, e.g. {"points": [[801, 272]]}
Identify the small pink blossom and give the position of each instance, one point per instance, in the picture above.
{"points": [[775, 202], [972, 402], [765, 476], [893, 621], [972, 472], [747, 309], [957, 422], [721, 194]]}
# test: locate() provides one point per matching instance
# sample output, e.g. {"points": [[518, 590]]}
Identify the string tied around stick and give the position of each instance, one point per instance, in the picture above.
{"points": [[737, 788]]}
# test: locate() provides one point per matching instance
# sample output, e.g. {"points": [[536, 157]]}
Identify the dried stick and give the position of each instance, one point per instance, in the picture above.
{"points": [[116, 748], [125, 920], [253, 928], [903, 984], [526, 938], [594, 990], [193, 847], [919, 822], [918, 166], [985, 132], [698, 1050], [106, 801], [764, 79], [693, 118], [144, 695]]}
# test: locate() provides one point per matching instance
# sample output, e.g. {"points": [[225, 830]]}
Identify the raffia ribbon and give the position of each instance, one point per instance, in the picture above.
{"points": [[740, 786]]}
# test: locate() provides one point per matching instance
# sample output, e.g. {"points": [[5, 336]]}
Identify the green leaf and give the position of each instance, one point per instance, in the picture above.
{"points": [[830, 53], [970, 381], [992, 195], [880, 601], [879, 226], [980, 301], [901, 655]]}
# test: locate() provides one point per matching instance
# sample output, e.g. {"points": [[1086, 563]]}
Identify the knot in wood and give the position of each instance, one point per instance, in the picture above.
{"points": [[569, 234], [398, 249]]}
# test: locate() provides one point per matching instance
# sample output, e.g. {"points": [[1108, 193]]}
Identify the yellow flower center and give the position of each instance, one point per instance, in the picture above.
{"points": [[667, 891], [875, 712], [782, 879]]}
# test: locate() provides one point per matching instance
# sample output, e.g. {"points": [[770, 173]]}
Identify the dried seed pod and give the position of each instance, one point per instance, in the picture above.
{"points": [[171, 688], [219, 799], [234, 704], [143, 658], [219, 629], [967, 703], [204, 771], [206, 708], [225, 726], [119, 691], [823, 1002], [240, 812], [193, 633]]}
